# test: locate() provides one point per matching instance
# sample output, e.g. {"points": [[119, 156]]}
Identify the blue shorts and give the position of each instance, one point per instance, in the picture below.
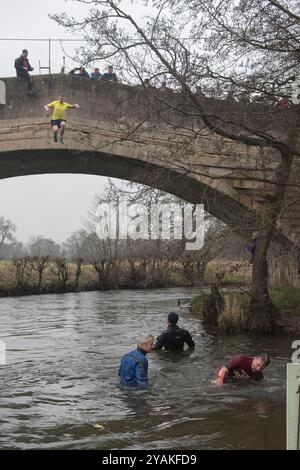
{"points": [[57, 122]]}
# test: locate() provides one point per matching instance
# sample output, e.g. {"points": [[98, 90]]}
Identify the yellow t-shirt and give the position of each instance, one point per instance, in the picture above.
{"points": [[59, 109]]}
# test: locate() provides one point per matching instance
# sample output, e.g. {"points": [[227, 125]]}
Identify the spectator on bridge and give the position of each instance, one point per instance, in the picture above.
{"points": [[230, 94], [147, 83], [283, 103], [134, 365], [244, 96], [58, 120], [174, 338], [79, 72], [110, 74], [243, 367], [163, 86], [199, 91], [96, 75], [23, 68]]}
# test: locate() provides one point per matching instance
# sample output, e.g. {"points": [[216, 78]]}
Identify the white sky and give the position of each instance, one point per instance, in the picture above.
{"points": [[48, 205]]}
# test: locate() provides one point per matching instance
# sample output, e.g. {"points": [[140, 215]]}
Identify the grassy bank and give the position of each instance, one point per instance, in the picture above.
{"points": [[285, 299], [89, 280]]}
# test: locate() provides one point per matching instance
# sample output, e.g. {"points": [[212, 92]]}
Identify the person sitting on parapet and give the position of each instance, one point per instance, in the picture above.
{"points": [[283, 103], [147, 83], [243, 367], [163, 86], [110, 74], [134, 365], [23, 68], [96, 75], [79, 72], [174, 338], [58, 120]]}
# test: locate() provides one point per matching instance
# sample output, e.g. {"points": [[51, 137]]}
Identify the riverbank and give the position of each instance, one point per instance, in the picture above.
{"points": [[124, 276], [227, 313], [63, 356]]}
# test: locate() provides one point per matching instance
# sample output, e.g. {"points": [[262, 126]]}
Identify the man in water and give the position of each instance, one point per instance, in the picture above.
{"points": [[243, 367], [58, 120], [174, 338], [134, 365]]}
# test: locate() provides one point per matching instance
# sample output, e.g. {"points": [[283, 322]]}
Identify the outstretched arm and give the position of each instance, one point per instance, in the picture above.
{"points": [[160, 342], [222, 374], [189, 341]]}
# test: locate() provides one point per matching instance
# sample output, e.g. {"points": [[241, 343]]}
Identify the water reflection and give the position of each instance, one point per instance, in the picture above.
{"points": [[60, 381]]}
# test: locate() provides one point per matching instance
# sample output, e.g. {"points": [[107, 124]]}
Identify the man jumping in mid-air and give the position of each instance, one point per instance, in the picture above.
{"points": [[58, 120]]}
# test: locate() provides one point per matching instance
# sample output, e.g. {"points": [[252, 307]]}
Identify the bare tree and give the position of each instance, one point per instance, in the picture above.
{"points": [[195, 264], [41, 247], [23, 273], [201, 43], [78, 272], [62, 271], [73, 246], [39, 264], [7, 230]]}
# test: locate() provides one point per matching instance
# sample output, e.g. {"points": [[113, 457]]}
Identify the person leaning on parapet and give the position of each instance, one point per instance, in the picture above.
{"points": [[243, 367], [147, 84], [79, 72], [163, 86], [174, 338], [96, 75], [134, 365], [283, 103], [23, 68], [110, 74], [58, 120]]}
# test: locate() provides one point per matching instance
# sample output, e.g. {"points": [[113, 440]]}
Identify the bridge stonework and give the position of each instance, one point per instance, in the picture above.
{"points": [[150, 137]]}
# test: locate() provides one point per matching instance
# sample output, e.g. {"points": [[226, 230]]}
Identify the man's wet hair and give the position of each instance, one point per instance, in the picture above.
{"points": [[173, 318], [265, 357], [24, 50], [145, 340]]}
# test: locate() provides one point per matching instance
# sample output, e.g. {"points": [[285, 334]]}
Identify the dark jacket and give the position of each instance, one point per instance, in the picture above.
{"points": [[109, 77], [174, 338], [134, 369], [19, 64], [80, 74]]}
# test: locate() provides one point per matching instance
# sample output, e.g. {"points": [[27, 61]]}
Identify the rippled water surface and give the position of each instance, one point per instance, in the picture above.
{"points": [[59, 389]]}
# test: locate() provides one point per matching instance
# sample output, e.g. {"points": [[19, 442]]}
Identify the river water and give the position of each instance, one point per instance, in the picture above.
{"points": [[59, 387]]}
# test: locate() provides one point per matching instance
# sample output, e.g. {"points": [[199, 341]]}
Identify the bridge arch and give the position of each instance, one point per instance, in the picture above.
{"points": [[122, 132]]}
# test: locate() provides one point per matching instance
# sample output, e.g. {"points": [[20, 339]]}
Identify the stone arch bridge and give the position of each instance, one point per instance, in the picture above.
{"points": [[151, 137]]}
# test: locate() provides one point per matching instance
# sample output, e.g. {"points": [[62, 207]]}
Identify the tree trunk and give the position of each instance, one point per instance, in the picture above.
{"points": [[262, 313], [40, 271]]}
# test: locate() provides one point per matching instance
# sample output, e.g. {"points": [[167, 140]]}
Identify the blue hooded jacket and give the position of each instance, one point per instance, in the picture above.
{"points": [[134, 369]]}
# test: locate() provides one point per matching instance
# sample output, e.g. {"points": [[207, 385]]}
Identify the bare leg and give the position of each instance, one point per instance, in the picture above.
{"points": [[55, 131], [62, 131]]}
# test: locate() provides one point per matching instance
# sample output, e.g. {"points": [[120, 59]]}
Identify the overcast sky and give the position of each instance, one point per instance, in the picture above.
{"points": [[48, 205]]}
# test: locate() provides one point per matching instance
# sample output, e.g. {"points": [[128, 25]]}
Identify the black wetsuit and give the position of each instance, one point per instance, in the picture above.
{"points": [[174, 338]]}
